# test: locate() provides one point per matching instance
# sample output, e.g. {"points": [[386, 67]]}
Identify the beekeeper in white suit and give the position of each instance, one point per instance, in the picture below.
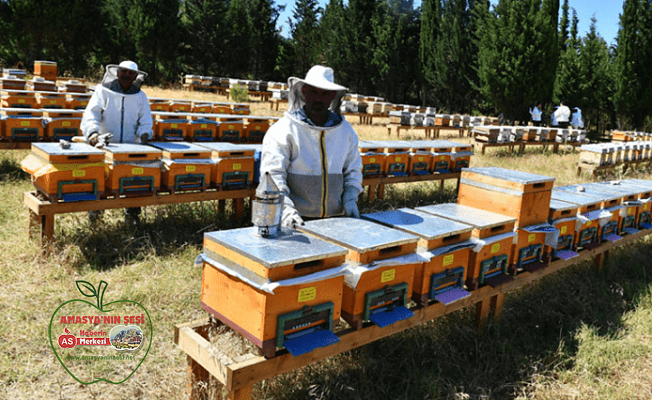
{"points": [[576, 120], [312, 152], [118, 107], [118, 112], [562, 115]]}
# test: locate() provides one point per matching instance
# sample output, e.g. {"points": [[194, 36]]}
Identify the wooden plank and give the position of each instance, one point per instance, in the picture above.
{"points": [[199, 349], [43, 207]]}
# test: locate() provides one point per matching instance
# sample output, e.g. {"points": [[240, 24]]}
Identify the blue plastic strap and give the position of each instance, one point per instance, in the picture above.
{"points": [[385, 318], [306, 343]]}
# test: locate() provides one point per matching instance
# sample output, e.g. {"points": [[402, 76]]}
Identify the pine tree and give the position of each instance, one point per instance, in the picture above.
{"points": [[569, 79], [204, 28], [429, 52], [238, 40], [594, 83], [304, 30], [264, 39], [563, 28], [633, 64]]}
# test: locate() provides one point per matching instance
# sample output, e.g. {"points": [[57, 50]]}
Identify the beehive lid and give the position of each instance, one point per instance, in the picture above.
{"points": [[591, 191], [510, 177], [358, 235], [426, 226], [131, 152], [394, 146], [50, 151], [477, 218], [575, 198], [290, 247], [370, 145], [183, 149], [226, 148], [623, 190], [644, 189], [558, 205]]}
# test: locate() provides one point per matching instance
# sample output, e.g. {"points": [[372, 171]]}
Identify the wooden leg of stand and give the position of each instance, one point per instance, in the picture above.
{"points": [[238, 208], [497, 305], [598, 262], [381, 191], [482, 309], [372, 193], [221, 205], [199, 379], [241, 394]]}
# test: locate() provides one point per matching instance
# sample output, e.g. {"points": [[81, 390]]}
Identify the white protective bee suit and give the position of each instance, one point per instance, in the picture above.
{"points": [[126, 115], [319, 169]]}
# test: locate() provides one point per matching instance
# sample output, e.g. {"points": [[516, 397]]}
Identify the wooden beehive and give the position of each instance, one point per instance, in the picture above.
{"points": [[397, 157], [18, 99], [180, 106], [159, 105], [255, 129], [171, 129], [521, 195], [222, 108], [39, 84], [529, 251], [54, 101], [202, 108], [77, 102], [74, 86], [23, 128], [12, 83], [486, 133], [370, 284], [231, 130], [493, 235], [202, 130], [241, 270], [233, 166], [607, 198], [65, 126], [563, 216], [66, 174], [530, 133], [442, 120], [134, 170], [447, 243], [46, 70], [186, 166], [374, 160], [240, 109]]}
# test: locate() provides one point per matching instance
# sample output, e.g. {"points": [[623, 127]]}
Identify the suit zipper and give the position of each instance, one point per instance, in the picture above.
{"points": [[324, 174]]}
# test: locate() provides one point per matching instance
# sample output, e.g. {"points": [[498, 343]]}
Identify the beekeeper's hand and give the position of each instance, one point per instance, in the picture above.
{"points": [[93, 138], [144, 138], [103, 140], [291, 217], [350, 200]]}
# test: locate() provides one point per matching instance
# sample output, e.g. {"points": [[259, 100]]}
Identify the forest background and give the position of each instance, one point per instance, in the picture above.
{"points": [[460, 56]]}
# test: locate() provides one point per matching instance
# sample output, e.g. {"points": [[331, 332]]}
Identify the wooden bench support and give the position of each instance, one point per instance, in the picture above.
{"points": [[379, 183]]}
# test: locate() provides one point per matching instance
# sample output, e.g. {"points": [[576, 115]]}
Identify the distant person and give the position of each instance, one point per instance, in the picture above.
{"points": [[119, 112], [536, 115], [553, 119], [576, 120], [562, 115], [312, 153]]}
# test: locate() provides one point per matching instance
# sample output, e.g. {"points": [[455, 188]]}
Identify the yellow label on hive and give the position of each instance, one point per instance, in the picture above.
{"points": [[237, 167], [204, 126], [372, 159], [84, 103], [531, 237], [257, 127], [563, 229], [137, 171], [231, 126], [646, 207], [173, 125], [420, 158], [442, 158], [388, 275], [78, 173], [307, 294], [191, 168], [588, 223], [397, 159], [630, 211], [495, 248], [21, 100], [65, 123], [448, 259], [24, 123], [53, 102]]}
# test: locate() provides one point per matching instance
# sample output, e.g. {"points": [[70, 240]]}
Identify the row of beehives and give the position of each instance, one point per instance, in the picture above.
{"points": [[77, 171], [46, 70], [413, 157], [250, 84], [290, 290], [628, 136], [614, 153], [30, 125], [510, 134], [40, 84]]}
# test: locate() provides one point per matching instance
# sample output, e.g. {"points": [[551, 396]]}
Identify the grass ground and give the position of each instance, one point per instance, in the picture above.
{"points": [[577, 334]]}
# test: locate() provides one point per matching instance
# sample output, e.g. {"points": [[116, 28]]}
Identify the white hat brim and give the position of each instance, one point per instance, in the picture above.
{"points": [[130, 69], [321, 84]]}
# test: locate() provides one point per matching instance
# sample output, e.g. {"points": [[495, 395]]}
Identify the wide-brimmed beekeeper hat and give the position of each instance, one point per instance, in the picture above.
{"points": [[320, 77], [130, 65]]}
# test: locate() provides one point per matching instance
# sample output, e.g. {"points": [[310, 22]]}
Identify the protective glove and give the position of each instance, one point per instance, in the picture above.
{"points": [[103, 140], [349, 200], [291, 217], [144, 138], [93, 138]]}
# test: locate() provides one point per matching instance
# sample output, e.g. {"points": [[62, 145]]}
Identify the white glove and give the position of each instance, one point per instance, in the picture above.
{"points": [[103, 140], [349, 200], [93, 138], [291, 217]]}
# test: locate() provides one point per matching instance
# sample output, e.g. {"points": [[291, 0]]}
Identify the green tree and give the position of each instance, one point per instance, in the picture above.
{"points": [[633, 64], [568, 82], [304, 26], [563, 27], [204, 27], [237, 42], [429, 51], [264, 38], [518, 52], [358, 44]]}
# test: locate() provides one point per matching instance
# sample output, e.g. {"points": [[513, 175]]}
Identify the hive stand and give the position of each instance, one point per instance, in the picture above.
{"points": [[377, 185], [239, 377], [43, 212], [593, 169]]}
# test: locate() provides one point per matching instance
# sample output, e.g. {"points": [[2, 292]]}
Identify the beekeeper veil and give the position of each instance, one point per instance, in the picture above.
{"points": [[320, 77], [110, 80]]}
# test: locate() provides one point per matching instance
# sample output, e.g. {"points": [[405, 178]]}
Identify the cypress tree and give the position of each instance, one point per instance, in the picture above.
{"points": [[431, 21], [205, 28], [594, 64], [569, 79], [305, 35]]}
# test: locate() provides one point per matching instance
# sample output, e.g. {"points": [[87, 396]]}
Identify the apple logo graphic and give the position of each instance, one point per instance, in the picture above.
{"points": [[102, 341]]}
